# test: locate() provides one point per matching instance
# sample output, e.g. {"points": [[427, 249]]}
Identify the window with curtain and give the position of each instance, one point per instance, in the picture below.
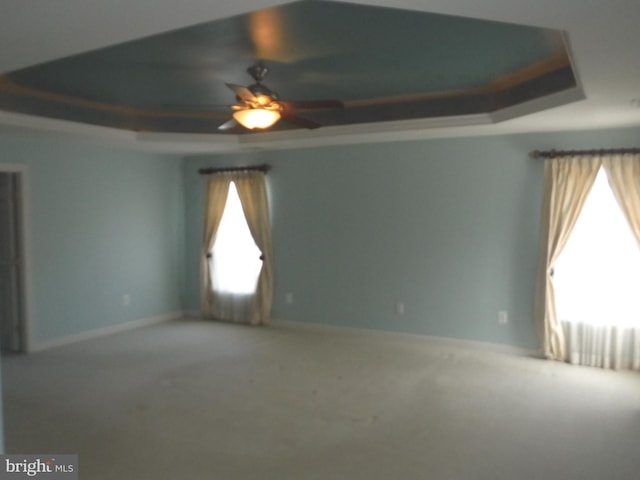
{"points": [[235, 258], [236, 264], [589, 271]]}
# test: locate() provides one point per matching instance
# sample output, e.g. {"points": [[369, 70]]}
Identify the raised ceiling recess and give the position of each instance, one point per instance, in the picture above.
{"points": [[382, 64]]}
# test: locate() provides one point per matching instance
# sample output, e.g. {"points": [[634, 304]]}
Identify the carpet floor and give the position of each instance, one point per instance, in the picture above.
{"points": [[197, 400]]}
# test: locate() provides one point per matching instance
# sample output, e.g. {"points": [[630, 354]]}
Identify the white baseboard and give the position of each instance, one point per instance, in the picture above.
{"points": [[190, 314], [470, 344], [101, 332]]}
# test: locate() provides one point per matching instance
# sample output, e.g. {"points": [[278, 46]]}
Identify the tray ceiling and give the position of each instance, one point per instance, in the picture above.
{"points": [[384, 64]]}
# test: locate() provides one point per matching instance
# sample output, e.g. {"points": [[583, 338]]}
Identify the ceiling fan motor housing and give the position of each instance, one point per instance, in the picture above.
{"points": [[260, 90], [258, 72]]}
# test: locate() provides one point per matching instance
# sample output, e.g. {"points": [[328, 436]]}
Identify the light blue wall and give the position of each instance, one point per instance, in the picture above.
{"points": [[448, 227], [104, 222]]}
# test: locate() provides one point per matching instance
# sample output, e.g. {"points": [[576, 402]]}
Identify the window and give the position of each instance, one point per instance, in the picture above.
{"points": [[597, 277], [235, 257]]}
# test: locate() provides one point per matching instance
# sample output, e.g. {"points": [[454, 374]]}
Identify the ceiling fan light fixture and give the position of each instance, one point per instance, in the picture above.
{"points": [[264, 100], [253, 118]]}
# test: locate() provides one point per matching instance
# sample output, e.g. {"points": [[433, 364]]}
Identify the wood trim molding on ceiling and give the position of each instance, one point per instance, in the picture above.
{"points": [[500, 85], [8, 86], [504, 82]]}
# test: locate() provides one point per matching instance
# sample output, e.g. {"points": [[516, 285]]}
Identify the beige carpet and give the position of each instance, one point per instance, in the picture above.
{"points": [[197, 400]]}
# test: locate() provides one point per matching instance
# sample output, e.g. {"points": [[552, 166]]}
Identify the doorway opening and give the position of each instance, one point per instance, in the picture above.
{"points": [[13, 299]]}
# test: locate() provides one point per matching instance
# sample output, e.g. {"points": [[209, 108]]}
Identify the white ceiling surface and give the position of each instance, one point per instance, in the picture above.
{"points": [[603, 38]]}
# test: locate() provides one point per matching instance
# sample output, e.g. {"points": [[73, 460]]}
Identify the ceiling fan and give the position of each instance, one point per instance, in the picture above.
{"points": [[259, 107]]}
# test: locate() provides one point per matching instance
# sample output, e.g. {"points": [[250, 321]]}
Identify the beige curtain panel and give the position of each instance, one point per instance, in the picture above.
{"points": [[567, 182], [251, 188], [215, 201], [253, 197], [603, 346], [623, 172]]}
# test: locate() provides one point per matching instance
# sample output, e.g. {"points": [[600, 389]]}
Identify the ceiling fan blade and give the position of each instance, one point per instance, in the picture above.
{"points": [[228, 125], [300, 121], [242, 92], [312, 104]]}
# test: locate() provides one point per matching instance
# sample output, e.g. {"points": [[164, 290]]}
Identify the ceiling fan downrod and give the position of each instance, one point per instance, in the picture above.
{"points": [[258, 71]]}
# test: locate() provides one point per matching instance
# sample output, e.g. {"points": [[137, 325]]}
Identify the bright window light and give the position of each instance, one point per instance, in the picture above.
{"points": [[235, 260], [597, 277]]}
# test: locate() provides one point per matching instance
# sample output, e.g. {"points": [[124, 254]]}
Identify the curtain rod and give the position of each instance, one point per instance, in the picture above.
{"points": [[563, 153], [260, 168]]}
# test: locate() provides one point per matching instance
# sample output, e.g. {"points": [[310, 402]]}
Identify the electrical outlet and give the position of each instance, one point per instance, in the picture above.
{"points": [[288, 298], [503, 317], [126, 300], [400, 308]]}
